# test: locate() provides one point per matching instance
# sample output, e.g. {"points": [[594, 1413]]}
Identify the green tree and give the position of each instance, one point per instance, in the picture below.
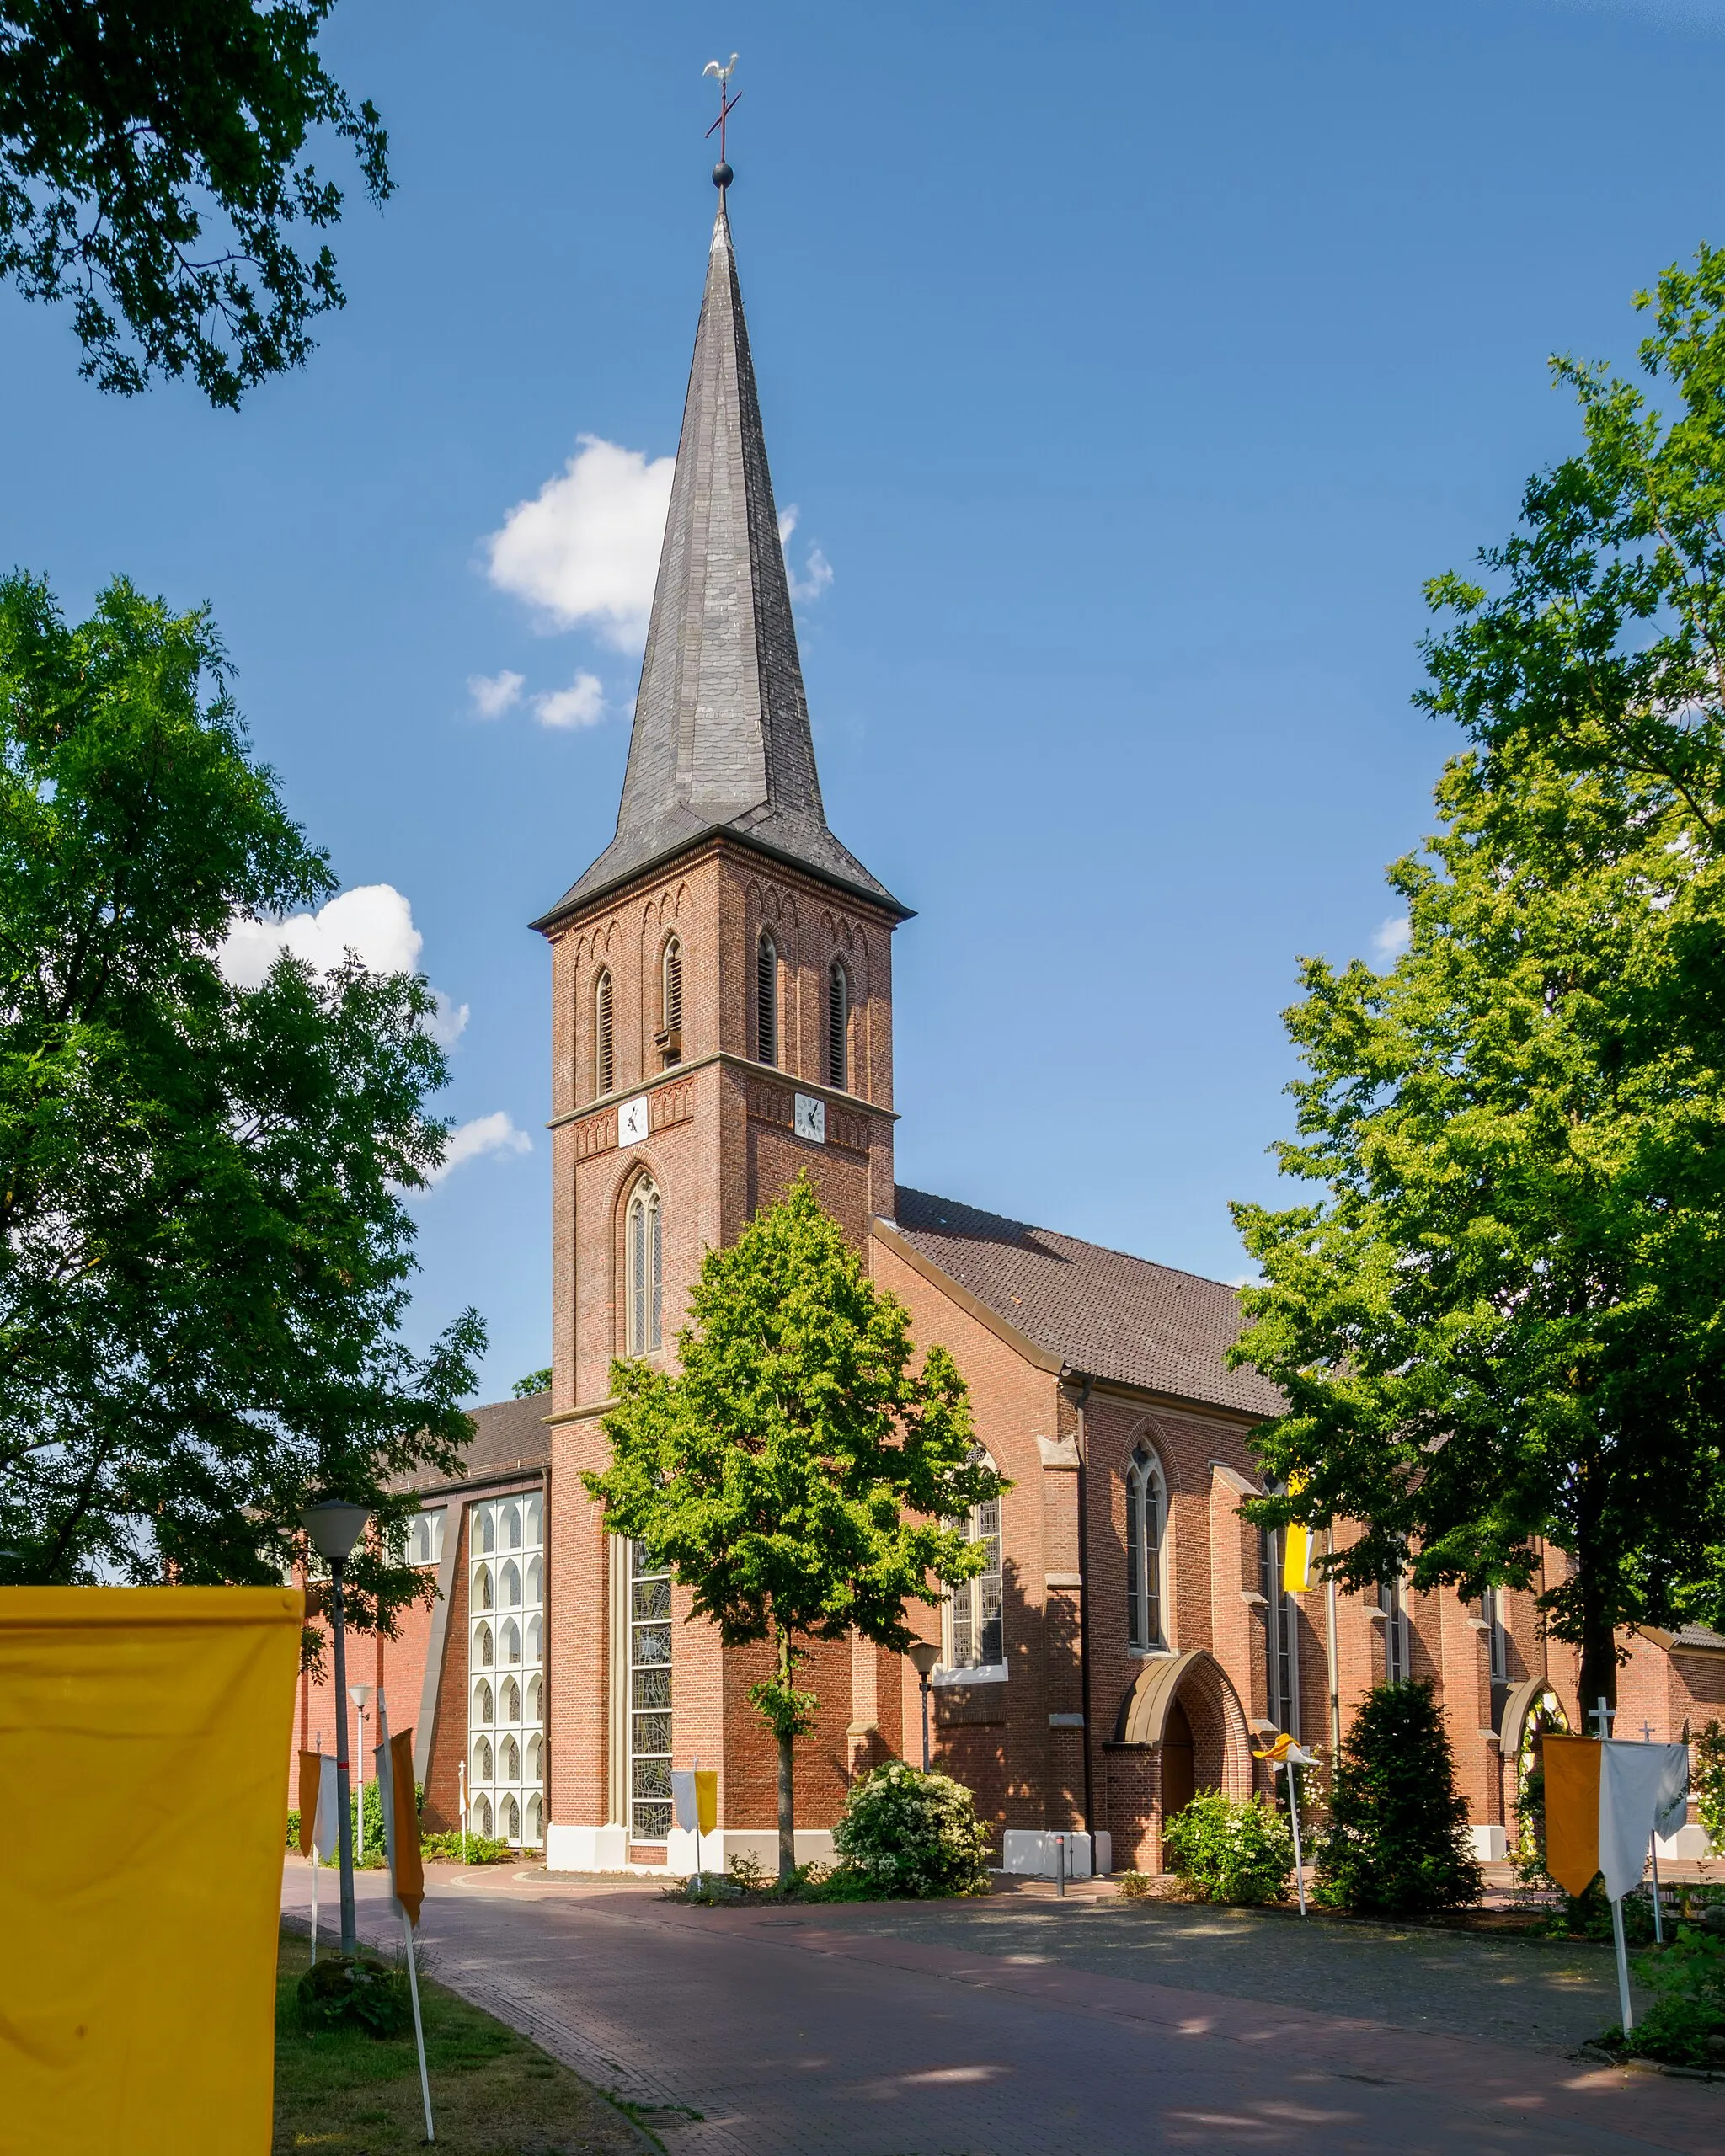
{"points": [[153, 171], [796, 1473], [535, 1381], [1503, 1323], [204, 1258], [1396, 1838]]}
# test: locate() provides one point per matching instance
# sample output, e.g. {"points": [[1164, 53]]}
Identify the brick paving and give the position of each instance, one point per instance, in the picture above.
{"points": [[925, 2032]]}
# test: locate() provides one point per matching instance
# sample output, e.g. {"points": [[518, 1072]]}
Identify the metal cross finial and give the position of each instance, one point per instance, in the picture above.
{"points": [[1604, 1716], [726, 101]]}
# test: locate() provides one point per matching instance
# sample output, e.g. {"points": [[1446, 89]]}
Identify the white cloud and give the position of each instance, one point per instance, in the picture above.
{"points": [[584, 551], [1393, 938], [485, 1134], [373, 921], [493, 694], [581, 704], [818, 569]]}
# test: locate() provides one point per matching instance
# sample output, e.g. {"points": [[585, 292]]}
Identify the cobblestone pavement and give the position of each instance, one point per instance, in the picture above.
{"points": [[995, 2030]]}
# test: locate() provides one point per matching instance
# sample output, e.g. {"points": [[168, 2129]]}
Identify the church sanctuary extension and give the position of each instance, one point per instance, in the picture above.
{"points": [[723, 1018]]}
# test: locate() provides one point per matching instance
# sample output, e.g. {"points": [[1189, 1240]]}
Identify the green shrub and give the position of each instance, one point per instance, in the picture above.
{"points": [[480, 1848], [904, 1833], [1222, 1850], [1708, 1751], [1397, 1840], [1686, 2024], [358, 1992], [1134, 1885]]}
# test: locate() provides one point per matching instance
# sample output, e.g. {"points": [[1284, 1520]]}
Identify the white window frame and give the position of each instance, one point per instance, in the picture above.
{"points": [[503, 1533], [1398, 1633]]}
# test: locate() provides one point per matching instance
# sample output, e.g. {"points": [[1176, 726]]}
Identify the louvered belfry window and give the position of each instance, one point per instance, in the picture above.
{"points": [[670, 1038], [765, 1000], [838, 1027], [604, 1035]]}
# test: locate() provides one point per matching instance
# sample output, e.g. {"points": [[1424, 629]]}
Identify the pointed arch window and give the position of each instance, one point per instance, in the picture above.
{"points": [[977, 1632], [1398, 1638], [604, 1035], [1281, 1614], [643, 1256], [1146, 1519], [766, 998], [838, 1027], [670, 1036]]}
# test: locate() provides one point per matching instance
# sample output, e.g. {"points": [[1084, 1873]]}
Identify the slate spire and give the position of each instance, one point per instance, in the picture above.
{"points": [[721, 739]]}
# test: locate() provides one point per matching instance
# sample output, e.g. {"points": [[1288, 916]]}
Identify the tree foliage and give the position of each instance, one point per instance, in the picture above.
{"points": [[1503, 1323], [796, 1473], [1396, 1838], [153, 171], [206, 1258]]}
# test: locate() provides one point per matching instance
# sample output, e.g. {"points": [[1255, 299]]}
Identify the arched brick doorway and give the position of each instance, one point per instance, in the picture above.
{"points": [[1181, 1728]]}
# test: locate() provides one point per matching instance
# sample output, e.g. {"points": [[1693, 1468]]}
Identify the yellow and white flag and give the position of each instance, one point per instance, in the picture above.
{"points": [[318, 1815], [1604, 1804]]}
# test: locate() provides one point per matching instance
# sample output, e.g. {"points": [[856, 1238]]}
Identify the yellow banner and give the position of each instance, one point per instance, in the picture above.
{"points": [[150, 1728], [1572, 1771], [1296, 1547]]}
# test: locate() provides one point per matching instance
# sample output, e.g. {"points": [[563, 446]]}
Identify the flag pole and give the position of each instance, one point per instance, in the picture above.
{"points": [[386, 1791], [1294, 1820], [1622, 1965], [317, 1856]]}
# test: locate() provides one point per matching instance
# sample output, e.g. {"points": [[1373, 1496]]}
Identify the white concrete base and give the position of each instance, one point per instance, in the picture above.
{"points": [[585, 1848], [685, 1854], [813, 1845], [1033, 1855], [1688, 1844], [1491, 1844]]}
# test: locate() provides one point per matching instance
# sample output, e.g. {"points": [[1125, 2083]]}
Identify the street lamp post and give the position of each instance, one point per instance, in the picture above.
{"points": [[334, 1527], [360, 1694], [923, 1655]]}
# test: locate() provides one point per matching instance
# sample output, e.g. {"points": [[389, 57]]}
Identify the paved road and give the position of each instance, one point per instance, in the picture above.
{"points": [[859, 2032]]}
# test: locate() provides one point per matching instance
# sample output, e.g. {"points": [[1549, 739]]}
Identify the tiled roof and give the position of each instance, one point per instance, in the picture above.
{"points": [[507, 1435], [1100, 1311], [1698, 1635], [721, 742]]}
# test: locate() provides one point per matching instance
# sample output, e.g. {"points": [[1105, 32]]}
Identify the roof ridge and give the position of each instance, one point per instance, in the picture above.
{"points": [[1110, 1250]]}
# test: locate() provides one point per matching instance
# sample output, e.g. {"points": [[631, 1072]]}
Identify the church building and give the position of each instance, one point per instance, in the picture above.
{"points": [[722, 995]]}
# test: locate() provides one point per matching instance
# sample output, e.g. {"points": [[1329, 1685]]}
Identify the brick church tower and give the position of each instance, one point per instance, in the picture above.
{"points": [[722, 1017]]}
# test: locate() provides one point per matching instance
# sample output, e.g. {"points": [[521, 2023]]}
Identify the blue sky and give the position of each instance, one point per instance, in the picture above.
{"points": [[1128, 366]]}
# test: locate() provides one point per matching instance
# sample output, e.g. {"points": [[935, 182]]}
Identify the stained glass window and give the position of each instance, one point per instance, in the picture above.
{"points": [[1146, 1510], [649, 1697]]}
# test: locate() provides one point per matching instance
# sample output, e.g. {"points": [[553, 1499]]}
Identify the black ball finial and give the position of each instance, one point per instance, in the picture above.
{"points": [[723, 175]]}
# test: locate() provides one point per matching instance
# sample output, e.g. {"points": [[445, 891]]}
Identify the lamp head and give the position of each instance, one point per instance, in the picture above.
{"points": [[334, 1527], [360, 1694], [924, 1654]]}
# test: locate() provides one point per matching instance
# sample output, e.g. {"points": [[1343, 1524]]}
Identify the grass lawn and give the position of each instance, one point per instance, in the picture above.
{"points": [[493, 2093]]}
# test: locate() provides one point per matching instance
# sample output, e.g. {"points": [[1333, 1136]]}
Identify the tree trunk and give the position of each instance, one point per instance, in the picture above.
{"points": [[786, 1773], [1599, 1663], [787, 1809]]}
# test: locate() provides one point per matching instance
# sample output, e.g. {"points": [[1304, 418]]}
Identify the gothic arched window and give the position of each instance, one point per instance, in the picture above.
{"points": [[766, 998], [604, 1035], [1146, 1516], [643, 1252], [978, 1636], [671, 1003], [838, 1027]]}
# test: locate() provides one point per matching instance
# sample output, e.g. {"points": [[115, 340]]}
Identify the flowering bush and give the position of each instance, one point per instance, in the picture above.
{"points": [[913, 1834], [1224, 1851]]}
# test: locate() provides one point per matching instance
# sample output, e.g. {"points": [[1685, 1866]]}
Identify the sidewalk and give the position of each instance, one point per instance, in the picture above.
{"points": [[817, 2030]]}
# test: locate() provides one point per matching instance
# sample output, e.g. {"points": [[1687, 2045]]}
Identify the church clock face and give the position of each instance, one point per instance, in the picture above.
{"points": [[810, 1118]]}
